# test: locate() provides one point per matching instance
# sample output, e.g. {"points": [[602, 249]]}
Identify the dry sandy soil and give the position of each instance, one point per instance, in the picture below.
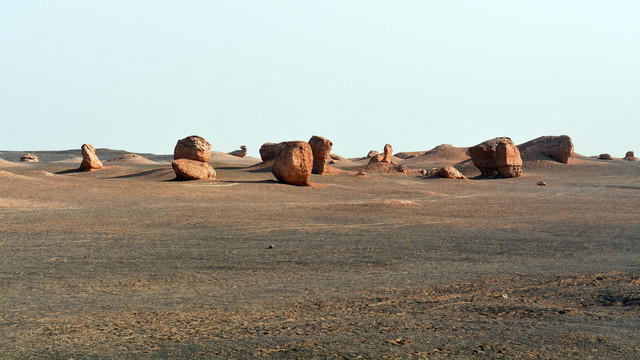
{"points": [[127, 263]]}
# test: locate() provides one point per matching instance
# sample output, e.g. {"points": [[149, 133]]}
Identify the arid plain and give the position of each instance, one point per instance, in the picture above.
{"points": [[127, 263]]}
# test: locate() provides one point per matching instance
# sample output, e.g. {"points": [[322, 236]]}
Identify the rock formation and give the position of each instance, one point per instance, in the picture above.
{"points": [[449, 172], [497, 156], [240, 153], [605, 157], [269, 151], [192, 148], [630, 156], [186, 169], [558, 148], [90, 160], [293, 163], [385, 158], [321, 149], [29, 157], [372, 153], [191, 159]]}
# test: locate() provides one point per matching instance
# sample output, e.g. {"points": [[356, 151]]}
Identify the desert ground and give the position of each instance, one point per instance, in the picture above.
{"points": [[127, 263]]}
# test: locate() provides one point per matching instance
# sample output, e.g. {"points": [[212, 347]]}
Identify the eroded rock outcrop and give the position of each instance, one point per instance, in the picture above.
{"points": [[321, 149], [193, 148], [186, 169], [240, 153], [90, 160], [385, 157], [29, 157], [497, 156], [558, 148], [293, 163], [605, 157], [630, 156]]}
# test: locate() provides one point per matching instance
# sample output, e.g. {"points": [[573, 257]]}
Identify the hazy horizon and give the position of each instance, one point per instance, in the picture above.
{"points": [[138, 76]]}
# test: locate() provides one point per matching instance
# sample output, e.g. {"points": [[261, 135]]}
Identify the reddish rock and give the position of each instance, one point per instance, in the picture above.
{"points": [[321, 149], [558, 148], [90, 160], [294, 163], [372, 153], [497, 156], [269, 151], [29, 157], [542, 183], [630, 156], [186, 169], [385, 158], [361, 174], [240, 153], [449, 172], [192, 148], [605, 157]]}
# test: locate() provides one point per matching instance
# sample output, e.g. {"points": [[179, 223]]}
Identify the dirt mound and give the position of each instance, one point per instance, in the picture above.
{"points": [[131, 159], [441, 155], [220, 158], [5, 163]]}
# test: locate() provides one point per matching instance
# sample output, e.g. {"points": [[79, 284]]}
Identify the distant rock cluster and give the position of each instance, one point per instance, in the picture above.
{"points": [[29, 157]]}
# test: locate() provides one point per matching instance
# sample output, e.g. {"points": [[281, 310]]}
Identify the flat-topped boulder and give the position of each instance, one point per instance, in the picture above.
{"points": [[90, 160], [29, 157], [605, 157], [293, 163], [321, 149], [186, 169], [193, 148], [497, 157], [558, 148]]}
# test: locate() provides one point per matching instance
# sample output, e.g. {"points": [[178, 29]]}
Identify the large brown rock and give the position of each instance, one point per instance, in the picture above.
{"points": [[186, 169], [294, 163], [269, 151], [90, 160], [605, 157], [240, 153], [497, 156], [630, 156], [558, 148], [29, 157], [385, 158], [192, 148], [321, 149], [449, 172]]}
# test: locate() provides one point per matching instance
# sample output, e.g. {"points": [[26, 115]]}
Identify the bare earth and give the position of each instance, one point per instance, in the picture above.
{"points": [[127, 263]]}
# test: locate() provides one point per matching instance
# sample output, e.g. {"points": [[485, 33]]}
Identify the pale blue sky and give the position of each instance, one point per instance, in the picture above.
{"points": [[139, 75]]}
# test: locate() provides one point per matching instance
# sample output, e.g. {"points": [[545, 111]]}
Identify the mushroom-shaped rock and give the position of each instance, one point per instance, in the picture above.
{"points": [[269, 151], [240, 153], [385, 158], [449, 172], [294, 163], [321, 149], [558, 148], [29, 157], [90, 160], [192, 148], [630, 156], [186, 169], [605, 157], [497, 156]]}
